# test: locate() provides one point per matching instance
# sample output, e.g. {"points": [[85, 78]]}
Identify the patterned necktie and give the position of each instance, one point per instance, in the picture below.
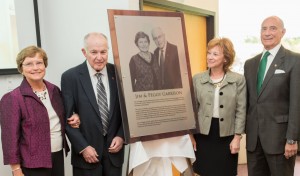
{"points": [[102, 103], [161, 63], [261, 71]]}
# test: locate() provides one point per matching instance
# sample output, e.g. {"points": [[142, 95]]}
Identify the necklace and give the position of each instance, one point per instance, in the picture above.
{"points": [[146, 56], [41, 94], [219, 83]]}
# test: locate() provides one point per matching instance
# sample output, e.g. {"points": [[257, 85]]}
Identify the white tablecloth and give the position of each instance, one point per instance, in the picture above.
{"points": [[156, 157]]}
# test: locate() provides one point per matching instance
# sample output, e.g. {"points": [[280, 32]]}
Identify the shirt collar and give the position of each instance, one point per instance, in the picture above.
{"points": [[274, 50], [165, 47]]}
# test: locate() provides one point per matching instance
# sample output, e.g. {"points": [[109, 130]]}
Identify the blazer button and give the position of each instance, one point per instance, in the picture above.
{"points": [[221, 93], [221, 119], [221, 106]]}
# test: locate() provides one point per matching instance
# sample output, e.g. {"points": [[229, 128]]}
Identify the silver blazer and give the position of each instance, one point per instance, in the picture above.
{"points": [[232, 103]]}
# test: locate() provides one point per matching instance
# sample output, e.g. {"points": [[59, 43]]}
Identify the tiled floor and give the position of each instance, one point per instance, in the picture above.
{"points": [[242, 169]]}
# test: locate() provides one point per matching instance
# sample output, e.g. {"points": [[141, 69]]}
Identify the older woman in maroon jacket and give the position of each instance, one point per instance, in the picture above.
{"points": [[32, 120]]}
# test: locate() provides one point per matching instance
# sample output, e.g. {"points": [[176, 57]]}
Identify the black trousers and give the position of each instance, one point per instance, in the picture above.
{"points": [[262, 164], [105, 168], [56, 170]]}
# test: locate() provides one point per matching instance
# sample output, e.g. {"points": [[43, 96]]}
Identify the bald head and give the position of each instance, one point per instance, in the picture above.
{"points": [[159, 37], [93, 35], [272, 31], [96, 50], [275, 18]]}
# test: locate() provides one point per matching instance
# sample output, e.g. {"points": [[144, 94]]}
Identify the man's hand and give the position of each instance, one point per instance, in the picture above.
{"points": [[116, 145], [74, 121], [90, 155], [290, 150]]}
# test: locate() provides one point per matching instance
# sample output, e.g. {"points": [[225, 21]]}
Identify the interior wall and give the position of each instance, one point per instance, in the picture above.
{"points": [[210, 5], [63, 25]]}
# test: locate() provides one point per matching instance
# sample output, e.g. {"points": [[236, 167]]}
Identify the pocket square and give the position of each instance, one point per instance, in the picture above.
{"points": [[278, 71]]}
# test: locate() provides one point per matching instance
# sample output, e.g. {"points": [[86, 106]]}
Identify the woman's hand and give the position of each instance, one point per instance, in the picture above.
{"points": [[74, 121], [193, 141], [235, 144], [16, 170]]}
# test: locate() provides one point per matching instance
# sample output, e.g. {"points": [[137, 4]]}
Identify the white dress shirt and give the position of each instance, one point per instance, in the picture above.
{"points": [[271, 57], [104, 78]]}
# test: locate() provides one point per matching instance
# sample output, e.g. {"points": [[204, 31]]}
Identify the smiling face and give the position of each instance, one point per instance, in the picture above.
{"points": [[215, 58], [96, 51], [159, 37], [34, 69], [272, 31], [143, 44]]}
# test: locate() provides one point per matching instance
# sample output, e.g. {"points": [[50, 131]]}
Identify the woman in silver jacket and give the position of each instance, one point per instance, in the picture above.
{"points": [[221, 104]]}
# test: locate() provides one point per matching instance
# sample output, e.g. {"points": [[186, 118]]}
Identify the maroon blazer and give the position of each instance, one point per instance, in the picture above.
{"points": [[25, 126]]}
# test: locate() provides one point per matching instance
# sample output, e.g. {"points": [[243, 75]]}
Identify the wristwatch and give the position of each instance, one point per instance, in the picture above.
{"points": [[291, 141]]}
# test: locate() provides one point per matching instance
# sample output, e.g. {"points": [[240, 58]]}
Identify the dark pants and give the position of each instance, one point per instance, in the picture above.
{"points": [[56, 170], [261, 164], [213, 155], [106, 168]]}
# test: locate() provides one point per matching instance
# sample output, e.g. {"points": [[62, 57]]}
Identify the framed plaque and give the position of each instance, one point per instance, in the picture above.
{"points": [[19, 28], [153, 74]]}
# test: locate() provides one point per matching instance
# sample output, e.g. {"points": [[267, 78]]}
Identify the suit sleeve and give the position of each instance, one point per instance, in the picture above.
{"points": [[10, 120], [293, 130], [178, 83], [240, 113], [132, 73], [68, 89]]}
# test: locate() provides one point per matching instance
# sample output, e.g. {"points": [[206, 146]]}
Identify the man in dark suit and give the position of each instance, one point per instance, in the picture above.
{"points": [[96, 150], [168, 61], [273, 113]]}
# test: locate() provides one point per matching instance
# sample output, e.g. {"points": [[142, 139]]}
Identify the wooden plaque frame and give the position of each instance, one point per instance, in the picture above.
{"points": [[152, 114]]}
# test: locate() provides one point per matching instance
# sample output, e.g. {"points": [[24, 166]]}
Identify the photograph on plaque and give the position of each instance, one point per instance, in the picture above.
{"points": [[153, 74]]}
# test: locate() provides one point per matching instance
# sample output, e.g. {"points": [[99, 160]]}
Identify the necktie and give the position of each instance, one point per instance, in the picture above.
{"points": [[161, 63], [261, 71], [102, 103]]}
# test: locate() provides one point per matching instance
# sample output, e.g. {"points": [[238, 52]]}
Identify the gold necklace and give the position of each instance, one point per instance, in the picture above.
{"points": [[219, 84]]}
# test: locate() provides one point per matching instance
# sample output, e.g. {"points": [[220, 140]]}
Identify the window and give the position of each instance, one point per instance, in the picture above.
{"points": [[241, 20]]}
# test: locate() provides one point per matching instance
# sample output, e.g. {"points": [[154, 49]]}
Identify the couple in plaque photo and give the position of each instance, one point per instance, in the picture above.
{"points": [[158, 70]]}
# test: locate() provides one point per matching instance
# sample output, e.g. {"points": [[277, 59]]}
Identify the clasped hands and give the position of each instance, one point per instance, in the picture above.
{"points": [[90, 155], [74, 121]]}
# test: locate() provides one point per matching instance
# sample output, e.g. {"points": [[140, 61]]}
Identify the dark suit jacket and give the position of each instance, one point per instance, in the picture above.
{"points": [[25, 126], [274, 114], [171, 67], [79, 97]]}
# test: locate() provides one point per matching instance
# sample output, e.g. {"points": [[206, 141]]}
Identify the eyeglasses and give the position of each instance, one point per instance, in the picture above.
{"points": [[31, 64]]}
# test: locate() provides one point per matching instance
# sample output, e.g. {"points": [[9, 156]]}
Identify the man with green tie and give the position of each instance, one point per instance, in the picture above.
{"points": [[273, 113]]}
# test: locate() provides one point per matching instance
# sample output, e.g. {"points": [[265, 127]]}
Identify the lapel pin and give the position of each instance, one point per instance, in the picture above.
{"points": [[275, 65]]}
